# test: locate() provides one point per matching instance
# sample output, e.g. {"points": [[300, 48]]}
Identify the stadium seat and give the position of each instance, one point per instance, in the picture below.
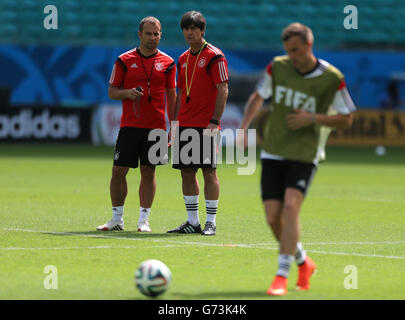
{"points": [[235, 23]]}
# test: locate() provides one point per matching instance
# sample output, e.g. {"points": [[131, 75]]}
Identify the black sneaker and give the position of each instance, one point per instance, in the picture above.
{"points": [[186, 227], [210, 229]]}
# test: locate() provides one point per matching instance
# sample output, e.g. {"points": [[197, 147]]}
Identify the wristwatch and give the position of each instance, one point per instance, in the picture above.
{"points": [[214, 121]]}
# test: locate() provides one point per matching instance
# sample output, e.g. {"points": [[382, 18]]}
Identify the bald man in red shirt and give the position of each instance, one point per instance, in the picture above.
{"points": [[143, 78]]}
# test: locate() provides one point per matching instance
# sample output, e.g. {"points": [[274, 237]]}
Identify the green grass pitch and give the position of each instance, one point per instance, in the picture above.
{"points": [[52, 197]]}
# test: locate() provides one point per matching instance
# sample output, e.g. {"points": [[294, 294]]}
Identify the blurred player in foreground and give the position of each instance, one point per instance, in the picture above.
{"points": [[140, 78], [303, 88]]}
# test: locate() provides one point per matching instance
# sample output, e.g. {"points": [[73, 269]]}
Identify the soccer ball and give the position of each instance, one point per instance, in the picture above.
{"points": [[152, 278]]}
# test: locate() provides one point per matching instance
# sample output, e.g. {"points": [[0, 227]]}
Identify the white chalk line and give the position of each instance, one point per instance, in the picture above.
{"points": [[343, 243], [366, 199], [187, 243], [92, 247]]}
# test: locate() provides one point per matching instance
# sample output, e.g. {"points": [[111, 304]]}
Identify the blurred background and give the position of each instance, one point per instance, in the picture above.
{"points": [[53, 83]]}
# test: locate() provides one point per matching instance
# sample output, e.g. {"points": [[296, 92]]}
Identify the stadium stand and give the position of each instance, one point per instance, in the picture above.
{"points": [[231, 24]]}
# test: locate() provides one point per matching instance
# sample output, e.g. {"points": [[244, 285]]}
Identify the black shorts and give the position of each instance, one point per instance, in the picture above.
{"points": [[278, 175], [197, 151], [132, 146]]}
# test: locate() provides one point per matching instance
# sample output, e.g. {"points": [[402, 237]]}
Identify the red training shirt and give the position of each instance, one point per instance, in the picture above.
{"points": [[211, 69], [132, 69]]}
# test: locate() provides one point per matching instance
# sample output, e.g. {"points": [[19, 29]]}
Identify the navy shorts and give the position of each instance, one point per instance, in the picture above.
{"points": [[132, 147], [278, 175]]}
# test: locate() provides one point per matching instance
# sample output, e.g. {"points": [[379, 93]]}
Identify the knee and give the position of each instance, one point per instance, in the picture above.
{"points": [[290, 210], [273, 220]]}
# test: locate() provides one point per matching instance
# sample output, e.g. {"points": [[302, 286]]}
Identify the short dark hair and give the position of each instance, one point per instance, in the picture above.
{"points": [[298, 29], [194, 18], [149, 19]]}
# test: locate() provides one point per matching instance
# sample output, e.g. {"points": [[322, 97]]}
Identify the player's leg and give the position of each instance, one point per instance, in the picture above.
{"points": [[147, 190], [301, 176], [118, 193], [211, 193], [290, 247], [118, 185], [126, 156], [291, 229], [273, 210], [288, 238], [191, 191]]}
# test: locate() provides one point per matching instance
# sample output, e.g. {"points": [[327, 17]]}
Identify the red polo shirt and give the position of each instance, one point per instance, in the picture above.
{"points": [[210, 70], [132, 69]]}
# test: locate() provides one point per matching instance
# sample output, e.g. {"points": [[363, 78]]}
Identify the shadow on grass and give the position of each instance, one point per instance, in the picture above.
{"points": [[115, 234], [233, 295]]}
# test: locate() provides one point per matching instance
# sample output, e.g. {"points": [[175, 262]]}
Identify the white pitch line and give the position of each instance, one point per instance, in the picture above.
{"points": [[91, 247], [357, 254], [360, 199], [249, 246], [341, 243]]}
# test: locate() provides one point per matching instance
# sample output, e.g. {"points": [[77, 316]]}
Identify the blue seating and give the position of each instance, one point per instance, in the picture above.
{"points": [[233, 24]]}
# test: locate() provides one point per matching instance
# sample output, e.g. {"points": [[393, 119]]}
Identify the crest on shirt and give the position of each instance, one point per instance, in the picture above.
{"points": [[159, 66], [202, 62]]}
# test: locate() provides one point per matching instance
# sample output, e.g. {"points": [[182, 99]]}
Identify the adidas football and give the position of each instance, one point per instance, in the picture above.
{"points": [[153, 278]]}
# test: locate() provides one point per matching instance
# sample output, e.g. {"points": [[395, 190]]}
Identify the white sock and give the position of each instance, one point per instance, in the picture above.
{"points": [[300, 254], [118, 212], [143, 214], [212, 207], [284, 264], [192, 209]]}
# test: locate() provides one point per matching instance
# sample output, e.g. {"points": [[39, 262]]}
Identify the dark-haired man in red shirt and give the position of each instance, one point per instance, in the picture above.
{"points": [[143, 78], [201, 99]]}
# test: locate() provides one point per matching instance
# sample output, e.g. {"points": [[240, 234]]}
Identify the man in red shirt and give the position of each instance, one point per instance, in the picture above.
{"points": [[140, 78], [201, 99]]}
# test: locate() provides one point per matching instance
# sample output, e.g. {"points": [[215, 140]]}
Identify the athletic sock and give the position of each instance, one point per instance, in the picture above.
{"points": [[143, 214], [212, 207], [300, 254], [192, 209], [118, 212], [284, 264]]}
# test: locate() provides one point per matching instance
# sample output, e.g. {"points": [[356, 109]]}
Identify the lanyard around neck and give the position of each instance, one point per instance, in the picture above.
{"points": [[188, 88], [150, 74]]}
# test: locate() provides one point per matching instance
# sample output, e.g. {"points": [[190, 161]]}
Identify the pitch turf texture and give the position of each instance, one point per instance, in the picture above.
{"points": [[53, 197]]}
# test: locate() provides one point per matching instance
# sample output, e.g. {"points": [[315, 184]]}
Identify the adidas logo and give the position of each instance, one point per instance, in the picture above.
{"points": [[189, 229], [134, 65], [302, 183], [184, 65]]}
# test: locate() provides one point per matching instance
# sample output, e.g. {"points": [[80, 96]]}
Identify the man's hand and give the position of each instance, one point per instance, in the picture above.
{"points": [[241, 138], [133, 94], [172, 132], [300, 119], [211, 130]]}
